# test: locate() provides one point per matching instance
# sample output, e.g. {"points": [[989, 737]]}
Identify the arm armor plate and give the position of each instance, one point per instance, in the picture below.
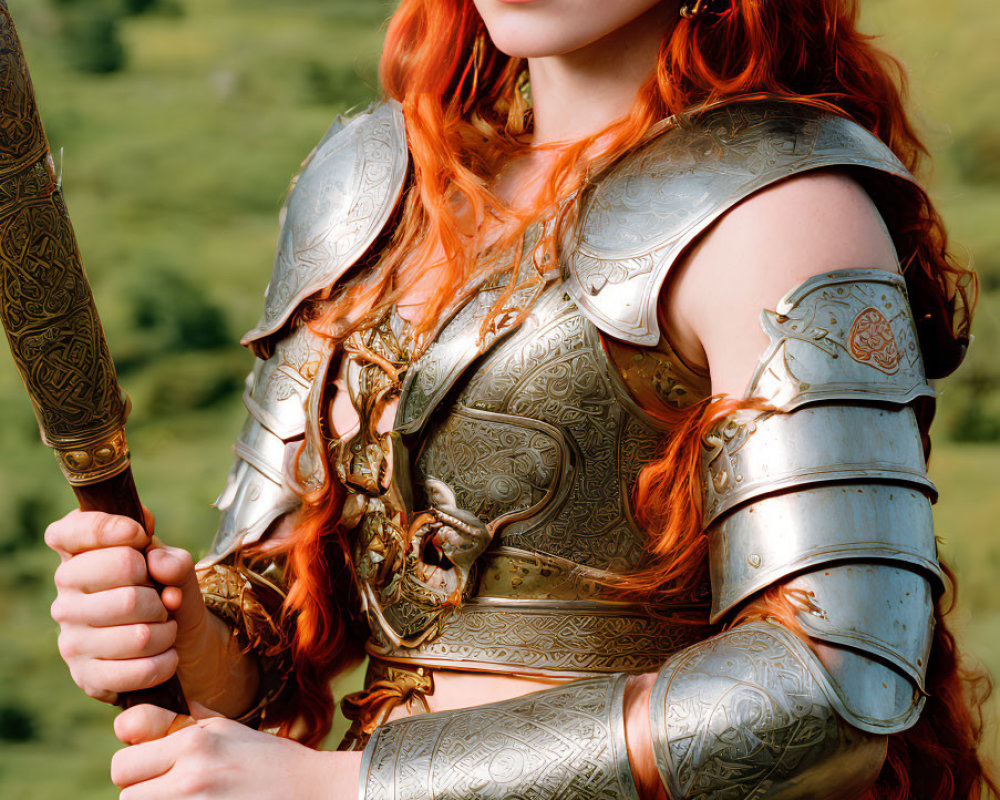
{"points": [[262, 481], [828, 493], [566, 742], [751, 713]]}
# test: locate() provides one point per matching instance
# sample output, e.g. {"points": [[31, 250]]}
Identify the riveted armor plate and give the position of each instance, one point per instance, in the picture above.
{"points": [[260, 487], [754, 454], [777, 536], [882, 609]]}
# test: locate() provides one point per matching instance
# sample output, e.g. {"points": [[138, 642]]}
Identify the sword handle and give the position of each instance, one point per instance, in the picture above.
{"points": [[118, 495]]}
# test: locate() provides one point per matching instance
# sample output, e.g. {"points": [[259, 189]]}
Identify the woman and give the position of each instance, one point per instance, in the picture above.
{"points": [[483, 438]]}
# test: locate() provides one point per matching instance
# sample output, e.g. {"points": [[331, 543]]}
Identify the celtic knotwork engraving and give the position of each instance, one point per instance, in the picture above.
{"points": [[45, 302], [554, 639], [22, 139], [565, 742], [872, 342], [742, 715]]}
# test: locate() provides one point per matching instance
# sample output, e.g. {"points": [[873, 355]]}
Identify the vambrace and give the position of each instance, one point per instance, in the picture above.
{"points": [[567, 741]]}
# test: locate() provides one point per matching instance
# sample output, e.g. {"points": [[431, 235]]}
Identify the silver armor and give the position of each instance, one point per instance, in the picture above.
{"points": [[826, 495], [637, 219], [339, 204], [518, 447], [564, 742], [842, 500], [751, 713], [261, 483]]}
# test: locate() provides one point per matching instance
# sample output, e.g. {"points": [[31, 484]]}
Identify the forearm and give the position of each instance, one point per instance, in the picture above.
{"points": [[224, 677], [750, 711]]}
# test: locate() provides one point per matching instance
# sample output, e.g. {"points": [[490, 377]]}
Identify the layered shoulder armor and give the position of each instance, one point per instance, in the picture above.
{"points": [[638, 217], [340, 203], [267, 474], [338, 206], [827, 493]]}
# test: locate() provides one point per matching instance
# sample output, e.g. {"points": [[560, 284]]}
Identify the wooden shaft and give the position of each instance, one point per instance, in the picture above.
{"points": [[118, 495]]}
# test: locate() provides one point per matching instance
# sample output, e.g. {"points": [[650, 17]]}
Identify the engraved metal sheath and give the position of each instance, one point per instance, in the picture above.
{"points": [[47, 306]]}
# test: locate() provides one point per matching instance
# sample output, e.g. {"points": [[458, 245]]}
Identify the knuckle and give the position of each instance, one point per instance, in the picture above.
{"points": [[131, 565], [58, 610], [130, 598], [193, 783], [197, 740], [115, 529], [93, 690], [63, 576], [69, 647], [51, 537], [142, 636], [148, 672]]}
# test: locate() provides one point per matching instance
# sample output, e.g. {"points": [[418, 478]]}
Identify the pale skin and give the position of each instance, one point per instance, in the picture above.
{"points": [[587, 60]]}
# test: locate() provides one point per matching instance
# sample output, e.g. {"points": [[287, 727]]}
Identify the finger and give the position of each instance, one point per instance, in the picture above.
{"points": [[104, 679], [150, 520], [125, 605], [99, 570], [142, 762], [171, 566], [147, 723], [120, 642], [174, 568], [80, 531]]}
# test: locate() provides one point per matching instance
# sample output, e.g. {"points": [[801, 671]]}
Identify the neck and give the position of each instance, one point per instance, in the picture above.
{"points": [[580, 93]]}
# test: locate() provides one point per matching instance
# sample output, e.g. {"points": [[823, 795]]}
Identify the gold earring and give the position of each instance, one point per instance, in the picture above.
{"points": [[695, 8]]}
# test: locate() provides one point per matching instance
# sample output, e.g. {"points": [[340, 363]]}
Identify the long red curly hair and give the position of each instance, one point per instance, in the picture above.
{"points": [[466, 111]]}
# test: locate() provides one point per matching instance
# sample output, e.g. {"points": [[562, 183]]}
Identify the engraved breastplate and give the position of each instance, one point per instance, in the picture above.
{"points": [[536, 436]]}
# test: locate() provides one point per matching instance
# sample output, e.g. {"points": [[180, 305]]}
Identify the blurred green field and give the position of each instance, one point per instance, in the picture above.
{"points": [[174, 169]]}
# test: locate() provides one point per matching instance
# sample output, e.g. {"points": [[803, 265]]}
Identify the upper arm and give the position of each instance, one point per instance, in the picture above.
{"points": [[767, 245]]}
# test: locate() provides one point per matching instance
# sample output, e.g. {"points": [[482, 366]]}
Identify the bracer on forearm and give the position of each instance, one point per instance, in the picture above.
{"points": [[563, 742]]}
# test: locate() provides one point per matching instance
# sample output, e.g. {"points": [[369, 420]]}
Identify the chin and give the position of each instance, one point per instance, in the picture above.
{"points": [[540, 28]]}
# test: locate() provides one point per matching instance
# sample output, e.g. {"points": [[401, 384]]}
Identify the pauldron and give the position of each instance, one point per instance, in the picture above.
{"points": [[338, 206], [637, 219]]}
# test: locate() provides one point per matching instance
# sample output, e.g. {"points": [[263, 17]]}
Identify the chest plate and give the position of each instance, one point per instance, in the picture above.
{"points": [[536, 434]]}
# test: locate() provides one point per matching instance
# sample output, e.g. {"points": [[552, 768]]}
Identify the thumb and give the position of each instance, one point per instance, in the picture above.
{"points": [[173, 568], [146, 723]]}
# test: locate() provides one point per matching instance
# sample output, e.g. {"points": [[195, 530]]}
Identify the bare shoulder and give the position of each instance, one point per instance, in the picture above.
{"points": [[755, 254]]}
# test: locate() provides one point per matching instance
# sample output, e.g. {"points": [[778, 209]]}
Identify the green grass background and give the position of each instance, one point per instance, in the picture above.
{"points": [[174, 169]]}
